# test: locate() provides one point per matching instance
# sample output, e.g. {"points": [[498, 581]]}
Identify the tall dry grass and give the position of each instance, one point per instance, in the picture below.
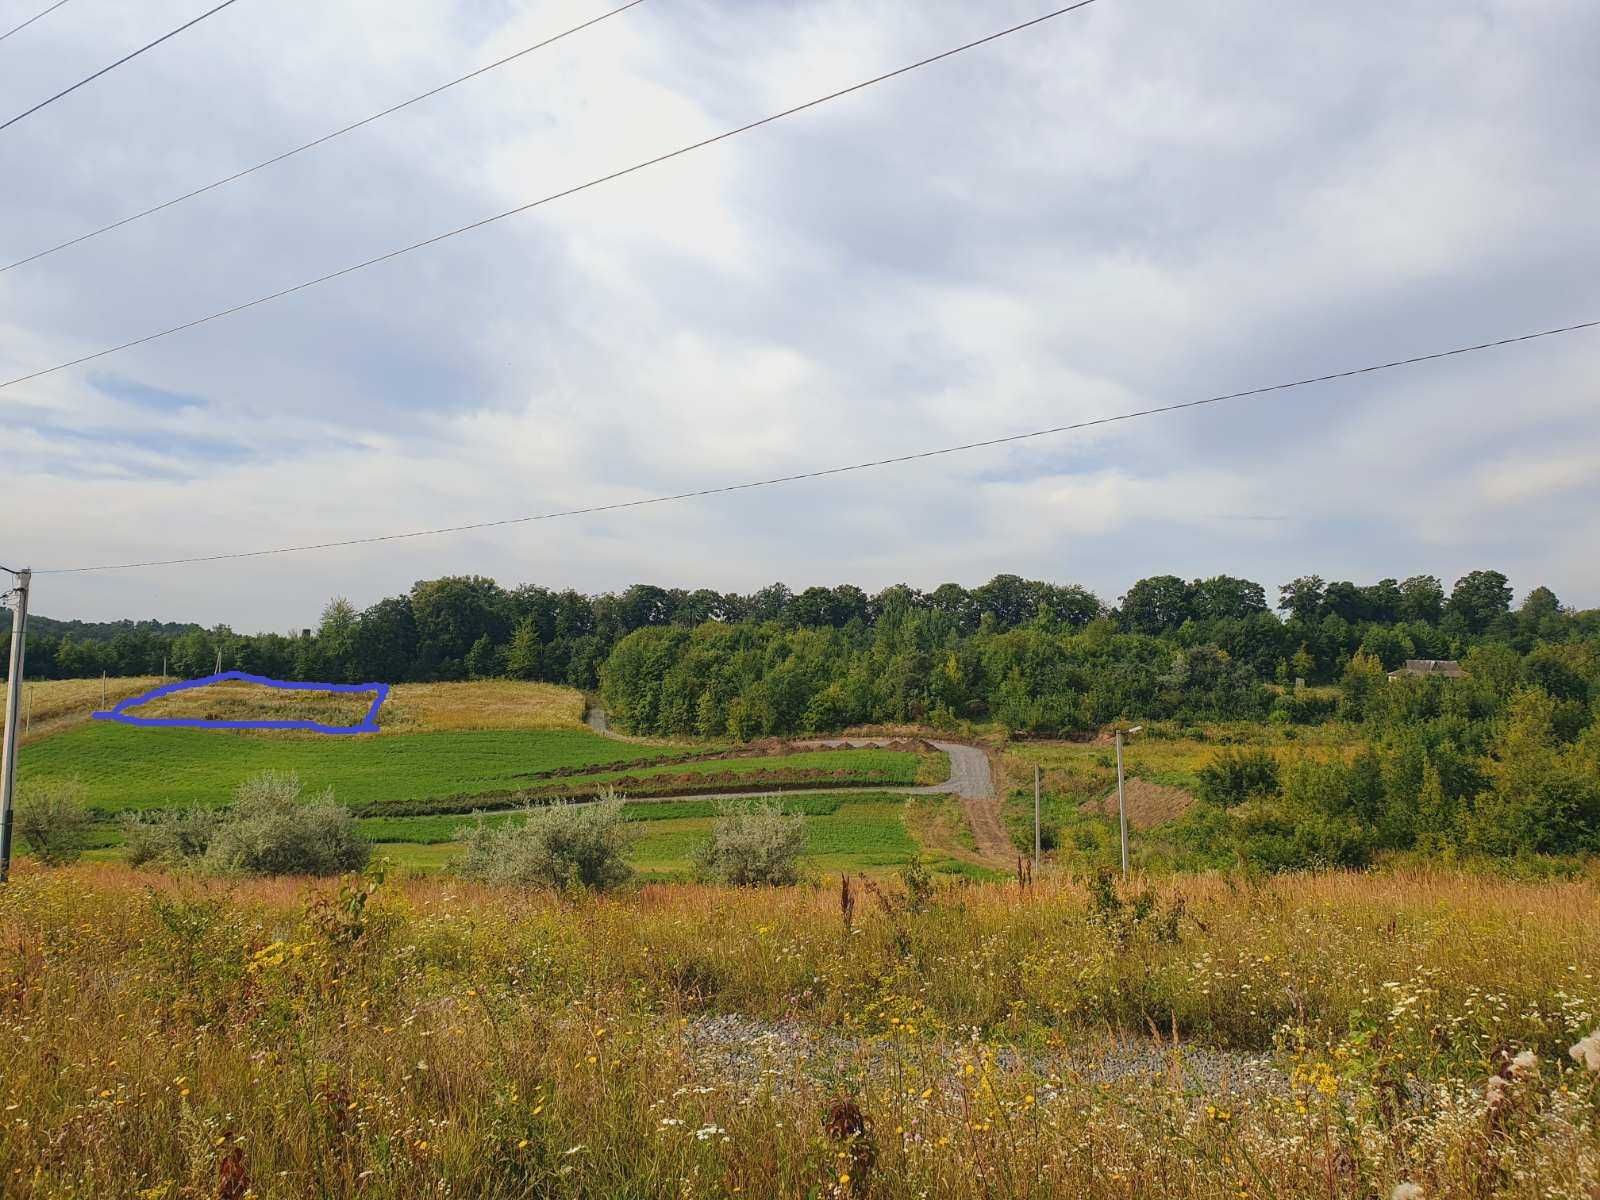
{"points": [[166, 1037]]}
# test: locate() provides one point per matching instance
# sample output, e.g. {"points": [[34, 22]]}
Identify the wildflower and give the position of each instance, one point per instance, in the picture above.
{"points": [[1406, 1191], [1587, 1051], [1495, 1091], [1526, 1063]]}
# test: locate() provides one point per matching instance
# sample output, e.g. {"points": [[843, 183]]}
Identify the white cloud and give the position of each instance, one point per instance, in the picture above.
{"points": [[1127, 207]]}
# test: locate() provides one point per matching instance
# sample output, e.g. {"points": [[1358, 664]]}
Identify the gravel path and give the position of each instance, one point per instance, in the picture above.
{"points": [[748, 1050]]}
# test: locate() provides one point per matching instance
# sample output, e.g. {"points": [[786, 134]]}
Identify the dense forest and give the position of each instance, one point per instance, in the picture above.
{"points": [[1029, 655]]}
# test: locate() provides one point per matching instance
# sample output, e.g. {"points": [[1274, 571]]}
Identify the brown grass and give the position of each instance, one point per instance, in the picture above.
{"points": [[51, 705], [237, 700], [482, 704]]}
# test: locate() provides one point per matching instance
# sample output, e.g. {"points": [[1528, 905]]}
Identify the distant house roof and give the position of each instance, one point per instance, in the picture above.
{"points": [[1448, 668]]}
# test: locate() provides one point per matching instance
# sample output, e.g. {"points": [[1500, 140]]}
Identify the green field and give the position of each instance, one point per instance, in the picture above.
{"points": [[843, 833], [123, 768]]}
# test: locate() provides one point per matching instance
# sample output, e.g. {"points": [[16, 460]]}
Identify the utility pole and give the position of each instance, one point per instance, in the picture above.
{"points": [[219, 660], [1122, 801], [8, 752], [1037, 838]]}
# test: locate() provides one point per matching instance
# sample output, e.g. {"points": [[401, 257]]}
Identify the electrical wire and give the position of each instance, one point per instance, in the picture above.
{"points": [[532, 204], [315, 142], [125, 58], [831, 471], [31, 20]]}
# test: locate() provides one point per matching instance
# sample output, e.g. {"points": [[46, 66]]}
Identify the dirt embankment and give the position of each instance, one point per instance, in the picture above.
{"points": [[1149, 804]]}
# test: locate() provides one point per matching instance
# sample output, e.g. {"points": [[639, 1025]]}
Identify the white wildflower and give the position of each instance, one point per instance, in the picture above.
{"points": [[1587, 1051], [1495, 1091], [1406, 1191], [1526, 1063], [706, 1132]]}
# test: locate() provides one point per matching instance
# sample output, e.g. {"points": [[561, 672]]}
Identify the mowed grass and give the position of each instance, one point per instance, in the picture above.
{"points": [[843, 833], [123, 767]]}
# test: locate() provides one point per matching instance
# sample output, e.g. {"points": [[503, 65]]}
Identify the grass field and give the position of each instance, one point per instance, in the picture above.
{"points": [[1335, 1036], [843, 833], [122, 768]]}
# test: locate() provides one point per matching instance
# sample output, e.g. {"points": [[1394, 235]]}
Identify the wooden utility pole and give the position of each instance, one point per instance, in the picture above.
{"points": [[8, 752], [1122, 801], [1038, 838]]}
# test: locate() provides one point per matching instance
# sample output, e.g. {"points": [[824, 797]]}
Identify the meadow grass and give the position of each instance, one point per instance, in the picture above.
{"points": [[51, 705], [239, 700], [481, 704], [172, 1037]]}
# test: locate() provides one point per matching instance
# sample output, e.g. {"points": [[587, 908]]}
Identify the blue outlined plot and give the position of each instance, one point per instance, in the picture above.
{"points": [[368, 724]]}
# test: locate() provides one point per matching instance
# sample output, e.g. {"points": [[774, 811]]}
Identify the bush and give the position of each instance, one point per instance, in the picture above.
{"points": [[52, 819], [166, 837], [1234, 776], [754, 843], [558, 846], [272, 830]]}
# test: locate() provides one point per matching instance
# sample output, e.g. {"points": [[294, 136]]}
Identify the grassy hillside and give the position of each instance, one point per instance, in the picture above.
{"points": [[51, 705], [121, 767]]}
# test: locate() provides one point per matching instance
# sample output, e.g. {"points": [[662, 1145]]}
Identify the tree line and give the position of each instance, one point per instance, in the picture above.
{"points": [[1031, 654]]}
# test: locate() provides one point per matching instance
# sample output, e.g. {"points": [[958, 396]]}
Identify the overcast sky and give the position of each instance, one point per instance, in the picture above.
{"points": [[1145, 202]]}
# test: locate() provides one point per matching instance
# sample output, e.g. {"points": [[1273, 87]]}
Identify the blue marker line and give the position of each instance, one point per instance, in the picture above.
{"points": [[369, 724]]}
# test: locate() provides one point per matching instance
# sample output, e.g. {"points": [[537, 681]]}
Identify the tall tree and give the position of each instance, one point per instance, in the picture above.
{"points": [[1302, 598], [1480, 598], [1155, 605]]}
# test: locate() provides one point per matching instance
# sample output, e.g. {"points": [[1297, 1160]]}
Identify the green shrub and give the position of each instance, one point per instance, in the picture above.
{"points": [[51, 818], [1234, 776], [168, 837], [559, 846], [273, 830], [754, 843]]}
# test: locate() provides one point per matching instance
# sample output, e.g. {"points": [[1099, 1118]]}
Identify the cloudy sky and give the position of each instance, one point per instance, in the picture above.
{"points": [[1145, 202]]}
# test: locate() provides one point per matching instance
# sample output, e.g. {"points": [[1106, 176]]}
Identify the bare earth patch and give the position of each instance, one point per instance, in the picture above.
{"points": [[1149, 804]]}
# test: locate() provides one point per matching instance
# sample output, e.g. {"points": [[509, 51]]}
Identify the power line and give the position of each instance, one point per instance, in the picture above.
{"points": [[532, 204], [327, 137], [118, 63], [844, 470], [31, 20]]}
